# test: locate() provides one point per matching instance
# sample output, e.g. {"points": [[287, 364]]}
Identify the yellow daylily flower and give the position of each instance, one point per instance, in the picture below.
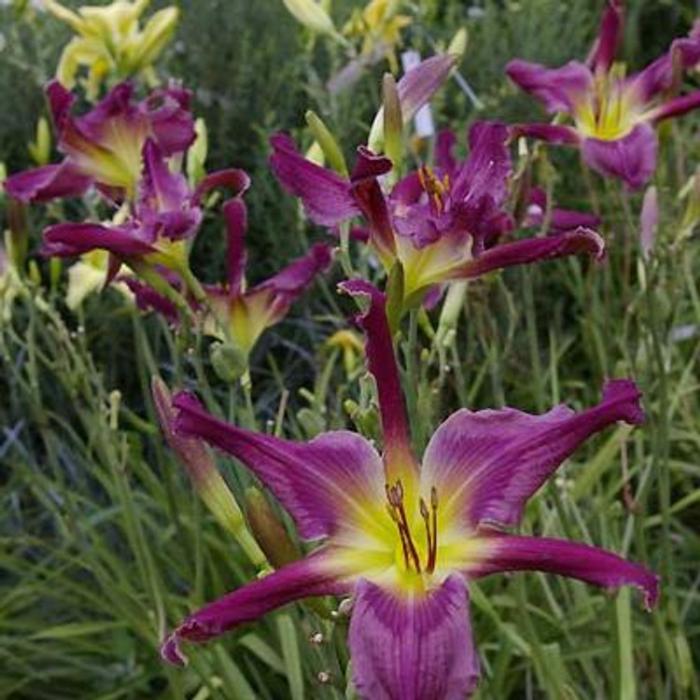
{"points": [[110, 42], [379, 25], [88, 275]]}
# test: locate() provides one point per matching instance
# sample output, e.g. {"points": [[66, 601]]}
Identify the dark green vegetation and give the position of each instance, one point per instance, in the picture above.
{"points": [[103, 543]]}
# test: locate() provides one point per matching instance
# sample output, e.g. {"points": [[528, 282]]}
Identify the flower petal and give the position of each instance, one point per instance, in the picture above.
{"points": [[413, 649], [65, 240], [675, 107], [529, 250], [557, 134], [444, 155], [326, 196], [631, 158], [382, 365], [233, 179], [293, 279], [371, 201], [171, 122], [557, 88], [46, 183], [318, 482], [236, 216], [580, 561], [663, 73], [561, 220], [487, 464], [609, 36], [305, 578]]}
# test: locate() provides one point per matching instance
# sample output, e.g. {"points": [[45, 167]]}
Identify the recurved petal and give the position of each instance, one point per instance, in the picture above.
{"points": [[236, 216], [65, 240], [631, 158], [580, 561], [305, 578], [319, 482], [46, 183], [413, 648], [233, 179], [561, 220], [530, 250], [292, 280], [326, 196], [557, 88], [382, 365], [371, 201], [487, 464]]}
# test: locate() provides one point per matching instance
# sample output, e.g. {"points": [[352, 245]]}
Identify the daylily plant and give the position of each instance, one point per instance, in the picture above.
{"points": [[110, 42], [104, 147], [440, 224], [614, 115], [405, 539], [241, 313]]}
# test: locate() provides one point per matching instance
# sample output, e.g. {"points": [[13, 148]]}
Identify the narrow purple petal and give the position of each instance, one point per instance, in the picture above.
{"points": [[557, 88], [489, 463], [60, 102], [69, 239], [326, 196], [46, 183], [318, 482], [631, 158], [293, 279], [413, 648], [665, 72], [609, 36], [165, 200], [580, 561], [147, 299], [444, 152], [170, 119], [233, 179], [676, 107], [305, 578], [419, 84], [561, 220], [371, 201], [236, 216], [382, 365], [481, 185], [530, 250], [557, 134]]}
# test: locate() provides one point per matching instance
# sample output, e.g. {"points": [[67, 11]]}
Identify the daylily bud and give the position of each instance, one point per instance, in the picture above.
{"points": [[395, 288], [393, 123], [458, 45], [311, 422], [17, 240], [40, 149], [327, 142], [229, 361], [269, 532], [204, 475], [451, 308], [311, 15], [197, 153]]}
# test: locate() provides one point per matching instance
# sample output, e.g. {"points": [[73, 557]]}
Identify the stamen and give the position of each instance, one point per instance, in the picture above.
{"points": [[394, 495], [432, 548]]}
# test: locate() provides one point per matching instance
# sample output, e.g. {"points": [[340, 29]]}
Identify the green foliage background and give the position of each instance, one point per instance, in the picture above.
{"points": [[101, 536]]}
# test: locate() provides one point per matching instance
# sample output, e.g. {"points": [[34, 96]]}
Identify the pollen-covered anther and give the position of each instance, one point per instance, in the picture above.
{"points": [[434, 187]]}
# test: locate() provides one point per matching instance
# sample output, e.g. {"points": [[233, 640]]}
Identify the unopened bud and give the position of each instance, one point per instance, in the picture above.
{"points": [[205, 477], [311, 15], [393, 123], [269, 532], [229, 362], [327, 142]]}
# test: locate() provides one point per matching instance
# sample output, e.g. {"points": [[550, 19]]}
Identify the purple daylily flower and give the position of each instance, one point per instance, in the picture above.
{"points": [[242, 313], [614, 115], [164, 214], [404, 539], [104, 146], [440, 223]]}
